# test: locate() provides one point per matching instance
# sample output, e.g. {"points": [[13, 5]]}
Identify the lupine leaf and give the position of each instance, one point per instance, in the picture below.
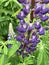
{"points": [[5, 50], [8, 64], [16, 12], [20, 5], [28, 60], [2, 60], [6, 4], [43, 56], [13, 49], [47, 5], [22, 64]]}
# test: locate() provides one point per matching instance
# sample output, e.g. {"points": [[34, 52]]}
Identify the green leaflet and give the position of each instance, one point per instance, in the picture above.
{"points": [[2, 60], [47, 5], [28, 60], [16, 12], [7, 3], [40, 55], [10, 41], [13, 49], [20, 5], [22, 64], [8, 64], [5, 50]]}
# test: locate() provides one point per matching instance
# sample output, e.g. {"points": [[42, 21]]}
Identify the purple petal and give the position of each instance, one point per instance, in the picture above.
{"points": [[9, 45], [21, 15], [21, 29], [26, 11], [41, 31], [46, 1], [44, 18], [44, 11], [21, 1], [34, 45], [33, 48], [37, 25], [26, 41], [37, 10], [18, 38]]}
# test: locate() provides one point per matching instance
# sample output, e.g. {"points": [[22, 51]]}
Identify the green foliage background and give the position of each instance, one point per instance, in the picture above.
{"points": [[8, 11], [8, 8]]}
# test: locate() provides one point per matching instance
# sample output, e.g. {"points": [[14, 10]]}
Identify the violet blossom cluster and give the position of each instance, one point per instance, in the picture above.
{"points": [[41, 9], [28, 33]]}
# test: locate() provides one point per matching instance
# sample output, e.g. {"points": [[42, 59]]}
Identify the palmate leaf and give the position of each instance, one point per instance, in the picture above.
{"points": [[43, 56]]}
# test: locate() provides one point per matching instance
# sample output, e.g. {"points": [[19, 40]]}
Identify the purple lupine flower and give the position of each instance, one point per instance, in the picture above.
{"points": [[21, 46], [21, 1], [31, 27], [37, 5], [33, 44], [46, 28], [44, 18], [37, 24], [21, 34], [26, 41], [25, 25], [21, 29], [44, 11], [37, 41], [28, 38], [46, 1], [37, 1], [21, 15], [9, 45], [27, 5], [33, 48], [37, 10], [41, 31], [28, 50], [22, 22], [26, 11], [34, 41], [34, 35], [18, 38], [33, 38], [43, 6]]}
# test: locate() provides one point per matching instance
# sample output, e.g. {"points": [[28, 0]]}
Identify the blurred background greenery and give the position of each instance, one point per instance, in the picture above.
{"points": [[8, 10]]}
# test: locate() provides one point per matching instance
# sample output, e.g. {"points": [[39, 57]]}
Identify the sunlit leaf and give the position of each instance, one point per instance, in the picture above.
{"points": [[43, 56], [13, 49], [5, 50], [2, 60]]}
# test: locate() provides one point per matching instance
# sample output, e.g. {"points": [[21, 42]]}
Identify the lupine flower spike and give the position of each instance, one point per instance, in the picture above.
{"points": [[28, 33]]}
